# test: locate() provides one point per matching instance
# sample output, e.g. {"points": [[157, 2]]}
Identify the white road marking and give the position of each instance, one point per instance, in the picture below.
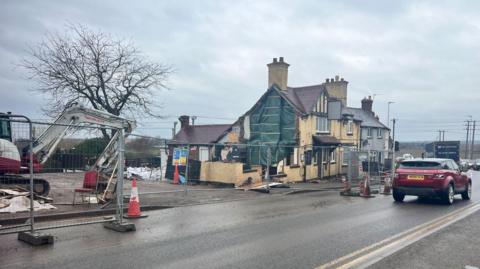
{"points": [[377, 251]]}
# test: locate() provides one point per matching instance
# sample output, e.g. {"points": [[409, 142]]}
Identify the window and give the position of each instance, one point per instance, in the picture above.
{"points": [[308, 157], [325, 104], [350, 127], [325, 155], [333, 156], [379, 133], [295, 156], [204, 154], [420, 164], [453, 165], [369, 132], [323, 125], [4, 129]]}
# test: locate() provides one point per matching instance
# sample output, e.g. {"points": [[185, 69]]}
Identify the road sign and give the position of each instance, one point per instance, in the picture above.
{"points": [[180, 156]]}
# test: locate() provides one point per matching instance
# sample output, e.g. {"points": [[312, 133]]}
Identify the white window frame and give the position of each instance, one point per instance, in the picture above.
{"points": [[333, 156], [325, 104], [324, 155], [201, 154], [350, 127], [380, 133], [318, 125]]}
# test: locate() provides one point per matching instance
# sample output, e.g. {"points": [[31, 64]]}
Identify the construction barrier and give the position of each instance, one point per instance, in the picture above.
{"points": [[66, 175]]}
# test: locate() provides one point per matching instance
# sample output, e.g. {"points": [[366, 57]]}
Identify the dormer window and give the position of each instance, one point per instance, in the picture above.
{"points": [[350, 127], [322, 104]]}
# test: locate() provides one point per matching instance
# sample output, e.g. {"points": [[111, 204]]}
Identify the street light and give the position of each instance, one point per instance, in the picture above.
{"points": [[388, 113]]}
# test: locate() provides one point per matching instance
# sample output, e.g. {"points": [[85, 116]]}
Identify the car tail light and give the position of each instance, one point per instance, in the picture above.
{"points": [[438, 176]]}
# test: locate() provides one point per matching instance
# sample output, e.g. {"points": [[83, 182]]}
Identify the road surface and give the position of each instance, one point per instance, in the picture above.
{"points": [[291, 231]]}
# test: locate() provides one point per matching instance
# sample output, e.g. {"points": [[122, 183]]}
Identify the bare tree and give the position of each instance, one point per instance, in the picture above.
{"points": [[96, 70]]}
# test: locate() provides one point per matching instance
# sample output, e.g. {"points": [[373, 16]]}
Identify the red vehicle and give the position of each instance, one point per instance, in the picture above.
{"points": [[431, 178]]}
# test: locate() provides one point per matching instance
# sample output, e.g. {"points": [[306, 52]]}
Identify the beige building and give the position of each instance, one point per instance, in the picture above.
{"points": [[300, 133]]}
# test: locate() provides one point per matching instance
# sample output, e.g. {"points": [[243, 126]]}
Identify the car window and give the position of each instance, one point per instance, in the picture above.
{"points": [[421, 165], [453, 165]]}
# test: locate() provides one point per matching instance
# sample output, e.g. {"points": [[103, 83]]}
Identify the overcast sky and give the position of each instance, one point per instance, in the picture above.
{"points": [[422, 55]]}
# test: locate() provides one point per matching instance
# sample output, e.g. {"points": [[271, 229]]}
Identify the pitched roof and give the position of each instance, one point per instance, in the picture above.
{"points": [[304, 97], [200, 134], [367, 118]]}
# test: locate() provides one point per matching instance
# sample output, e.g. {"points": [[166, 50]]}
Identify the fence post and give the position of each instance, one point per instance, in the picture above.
{"points": [[118, 224], [186, 169], [269, 162], [32, 237]]}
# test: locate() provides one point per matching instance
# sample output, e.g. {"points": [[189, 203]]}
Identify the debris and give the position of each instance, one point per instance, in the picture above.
{"points": [[144, 173], [22, 204], [4, 203], [262, 187]]}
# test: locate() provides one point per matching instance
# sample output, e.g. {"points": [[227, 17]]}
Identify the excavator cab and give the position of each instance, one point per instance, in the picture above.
{"points": [[5, 127]]}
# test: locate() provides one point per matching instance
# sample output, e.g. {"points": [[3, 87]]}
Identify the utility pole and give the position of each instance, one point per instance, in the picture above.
{"points": [[466, 141], [388, 113], [441, 135], [473, 140]]}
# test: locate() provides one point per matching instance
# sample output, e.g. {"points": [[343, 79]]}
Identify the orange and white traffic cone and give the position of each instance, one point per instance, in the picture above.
{"points": [[365, 191], [176, 176], [134, 204]]}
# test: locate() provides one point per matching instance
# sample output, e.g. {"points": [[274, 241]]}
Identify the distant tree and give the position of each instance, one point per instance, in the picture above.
{"points": [[96, 70], [92, 146], [140, 147]]}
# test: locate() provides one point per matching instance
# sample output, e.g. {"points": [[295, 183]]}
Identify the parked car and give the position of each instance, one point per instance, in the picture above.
{"points": [[470, 164], [476, 165], [431, 178]]}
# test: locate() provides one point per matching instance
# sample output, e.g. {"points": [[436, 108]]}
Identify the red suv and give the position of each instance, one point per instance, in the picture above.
{"points": [[431, 177]]}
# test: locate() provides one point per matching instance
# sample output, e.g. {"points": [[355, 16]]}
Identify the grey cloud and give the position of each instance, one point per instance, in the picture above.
{"points": [[422, 55]]}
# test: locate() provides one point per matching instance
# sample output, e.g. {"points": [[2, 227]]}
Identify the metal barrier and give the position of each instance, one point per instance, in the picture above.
{"points": [[72, 177]]}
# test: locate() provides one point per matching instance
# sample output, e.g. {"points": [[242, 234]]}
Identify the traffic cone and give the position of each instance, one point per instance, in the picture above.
{"points": [[365, 191], [176, 175], [134, 204]]}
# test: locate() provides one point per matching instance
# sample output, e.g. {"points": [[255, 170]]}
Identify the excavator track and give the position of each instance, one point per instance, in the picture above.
{"points": [[40, 186]]}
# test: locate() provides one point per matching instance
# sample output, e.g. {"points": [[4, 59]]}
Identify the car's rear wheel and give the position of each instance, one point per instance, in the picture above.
{"points": [[398, 197], [449, 194], [467, 194]]}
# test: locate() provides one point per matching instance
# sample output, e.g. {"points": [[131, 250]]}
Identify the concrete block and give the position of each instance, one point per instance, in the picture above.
{"points": [[35, 239], [120, 227]]}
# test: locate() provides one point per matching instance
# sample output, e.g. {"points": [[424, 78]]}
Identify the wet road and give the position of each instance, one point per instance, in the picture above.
{"points": [[292, 231]]}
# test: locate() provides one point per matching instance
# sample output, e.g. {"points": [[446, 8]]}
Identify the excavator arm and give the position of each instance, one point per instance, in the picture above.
{"points": [[44, 146]]}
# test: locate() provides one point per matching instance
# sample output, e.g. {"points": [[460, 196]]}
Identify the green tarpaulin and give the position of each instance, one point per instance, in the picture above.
{"points": [[272, 124]]}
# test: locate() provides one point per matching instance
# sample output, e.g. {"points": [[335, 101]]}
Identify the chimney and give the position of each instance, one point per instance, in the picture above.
{"points": [[367, 104], [184, 121], [278, 73], [337, 88]]}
